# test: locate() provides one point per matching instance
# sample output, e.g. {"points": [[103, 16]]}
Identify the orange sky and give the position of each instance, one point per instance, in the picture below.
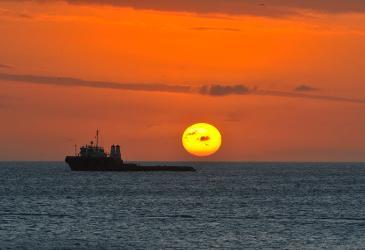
{"points": [[271, 50]]}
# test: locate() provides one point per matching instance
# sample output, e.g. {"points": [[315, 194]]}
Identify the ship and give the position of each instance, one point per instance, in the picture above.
{"points": [[93, 157]]}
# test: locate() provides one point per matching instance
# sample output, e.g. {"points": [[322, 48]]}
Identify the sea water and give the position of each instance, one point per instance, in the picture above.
{"points": [[43, 205]]}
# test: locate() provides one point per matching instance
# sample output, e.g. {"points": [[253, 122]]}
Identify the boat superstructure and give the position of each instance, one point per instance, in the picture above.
{"points": [[92, 157]]}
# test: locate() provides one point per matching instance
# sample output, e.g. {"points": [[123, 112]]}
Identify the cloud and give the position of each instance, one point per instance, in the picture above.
{"points": [[222, 90], [272, 8], [11, 13], [235, 7], [216, 29], [308, 96], [6, 66], [305, 88], [214, 90], [76, 82]]}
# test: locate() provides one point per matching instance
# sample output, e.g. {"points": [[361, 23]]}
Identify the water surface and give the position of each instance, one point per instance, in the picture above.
{"points": [[223, 205]]}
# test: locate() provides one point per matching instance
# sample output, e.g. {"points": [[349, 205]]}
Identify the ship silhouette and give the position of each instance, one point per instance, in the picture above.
{"points": [[93, 157]]}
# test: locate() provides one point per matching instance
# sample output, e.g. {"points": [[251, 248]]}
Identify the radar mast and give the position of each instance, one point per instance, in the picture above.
{"points": [[97, 137]]}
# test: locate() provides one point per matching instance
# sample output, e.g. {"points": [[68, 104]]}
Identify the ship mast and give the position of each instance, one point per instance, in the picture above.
{"points": [[97, 137]]}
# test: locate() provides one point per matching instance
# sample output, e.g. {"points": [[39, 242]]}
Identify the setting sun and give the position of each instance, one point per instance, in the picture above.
{"points": [[201, 139]]}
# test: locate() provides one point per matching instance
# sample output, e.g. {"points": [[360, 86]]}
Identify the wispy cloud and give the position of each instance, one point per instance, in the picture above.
{"points": [[222, 90], [234, 7], [214, 90], [216, 29], [250, 7], [6, 66], [72, 82], [309, 96], [12, 13], [305, 88]]}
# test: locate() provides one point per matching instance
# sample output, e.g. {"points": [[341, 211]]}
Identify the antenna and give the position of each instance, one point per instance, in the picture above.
{"points": [[75, 150], [97, 137]]}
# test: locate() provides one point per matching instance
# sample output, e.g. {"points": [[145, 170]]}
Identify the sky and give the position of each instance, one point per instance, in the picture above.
{"points": [[282, 80]]}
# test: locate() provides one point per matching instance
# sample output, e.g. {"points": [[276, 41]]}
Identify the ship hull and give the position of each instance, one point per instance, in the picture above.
{"points": [[77, 163]]}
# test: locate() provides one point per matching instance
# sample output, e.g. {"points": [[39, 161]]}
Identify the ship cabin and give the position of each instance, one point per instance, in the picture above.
{"points": [[95, 151], [92, 151]]}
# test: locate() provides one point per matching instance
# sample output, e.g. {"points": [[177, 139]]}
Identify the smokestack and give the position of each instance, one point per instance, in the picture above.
{"points": [[117, 152], [112, 151]]}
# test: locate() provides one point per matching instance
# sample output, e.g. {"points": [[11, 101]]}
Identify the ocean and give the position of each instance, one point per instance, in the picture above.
{"points": [[43, 205]]}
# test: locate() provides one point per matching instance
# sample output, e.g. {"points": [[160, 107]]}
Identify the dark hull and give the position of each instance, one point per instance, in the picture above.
{"points": [[108, 164]]}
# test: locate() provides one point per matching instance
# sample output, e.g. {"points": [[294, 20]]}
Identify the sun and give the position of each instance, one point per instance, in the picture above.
{"points": [[201, 139]]}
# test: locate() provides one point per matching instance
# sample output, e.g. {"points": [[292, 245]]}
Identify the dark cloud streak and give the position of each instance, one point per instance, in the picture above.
{"points": [[272, 8], [6, 66], [11, 13], [216, 29], [236, 7], [215, 90], [239, 7], [308, 96], [305, 88], [222, 90], [76, 82]]}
